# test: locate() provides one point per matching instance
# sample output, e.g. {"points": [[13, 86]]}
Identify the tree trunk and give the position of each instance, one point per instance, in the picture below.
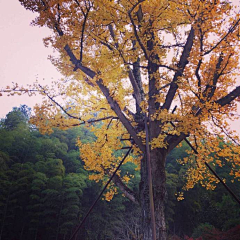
{"points": [[158, 159], [22, 231], [5, 213], [36, 234], [59, 217]]}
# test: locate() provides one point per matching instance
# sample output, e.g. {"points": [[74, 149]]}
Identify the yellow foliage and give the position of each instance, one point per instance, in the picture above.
{"points": [[187, 54]]}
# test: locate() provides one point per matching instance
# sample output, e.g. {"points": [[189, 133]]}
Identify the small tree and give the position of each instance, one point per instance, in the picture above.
{"points": [[128, 63]]}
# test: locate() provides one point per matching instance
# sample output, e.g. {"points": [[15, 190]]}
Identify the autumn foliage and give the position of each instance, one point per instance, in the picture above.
{"points": [[127, 61]]}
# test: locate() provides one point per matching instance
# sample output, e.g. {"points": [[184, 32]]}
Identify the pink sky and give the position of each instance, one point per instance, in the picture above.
{"points": [[23, 56]]}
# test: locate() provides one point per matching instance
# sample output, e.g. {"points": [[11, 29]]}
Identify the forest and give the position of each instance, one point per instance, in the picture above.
{"points": [[45, 191]]}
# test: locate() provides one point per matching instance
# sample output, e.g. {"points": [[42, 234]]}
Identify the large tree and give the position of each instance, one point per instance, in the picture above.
{"points": [[129, 63]]}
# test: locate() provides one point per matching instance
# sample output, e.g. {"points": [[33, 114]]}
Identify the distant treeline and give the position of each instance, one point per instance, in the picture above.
{"points": [[45, 191]]}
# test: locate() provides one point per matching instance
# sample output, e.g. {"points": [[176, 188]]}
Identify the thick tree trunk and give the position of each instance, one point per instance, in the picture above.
{"points": [[158, 158]]}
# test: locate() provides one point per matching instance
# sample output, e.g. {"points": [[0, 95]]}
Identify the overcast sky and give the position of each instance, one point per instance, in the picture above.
{"points": [[23, 57]]}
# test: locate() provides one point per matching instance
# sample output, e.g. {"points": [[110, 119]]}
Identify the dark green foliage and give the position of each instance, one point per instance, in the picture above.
{"points": [[18, 116], [200, 207], [45, 191], [40, 198]]}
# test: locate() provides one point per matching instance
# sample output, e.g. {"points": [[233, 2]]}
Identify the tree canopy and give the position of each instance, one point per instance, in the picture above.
{"points": [[123, 59]]}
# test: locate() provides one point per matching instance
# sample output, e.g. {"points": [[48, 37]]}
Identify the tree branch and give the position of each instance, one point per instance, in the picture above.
{"points": [[126, 190], [229, 97], [110, 27], [223, 129], [210, 88], [198, 76], [200, 63], [137, 94], [76, 1], [181, 65], [135, 29], [231, 29], [114, 105], [167, 67], [57, 104], [174, 140], [83, 29]]}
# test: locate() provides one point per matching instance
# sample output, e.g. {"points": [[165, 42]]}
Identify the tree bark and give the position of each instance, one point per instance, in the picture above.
{"points": [[158, 159]]}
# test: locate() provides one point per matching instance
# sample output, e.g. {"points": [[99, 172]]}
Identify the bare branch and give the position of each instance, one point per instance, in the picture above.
{"points": [[229, 97], [181, 45], [76, 1], [166, 85], [86, 122], [200, 62], [181, 65], [217, 124], [231, 29], [57, 104], [167, 67], [107, 45], [110, 27], [74, 117], [82, 35]]}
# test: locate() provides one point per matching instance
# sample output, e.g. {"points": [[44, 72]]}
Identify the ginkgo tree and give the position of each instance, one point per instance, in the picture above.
{"points": [[128, 63]]}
